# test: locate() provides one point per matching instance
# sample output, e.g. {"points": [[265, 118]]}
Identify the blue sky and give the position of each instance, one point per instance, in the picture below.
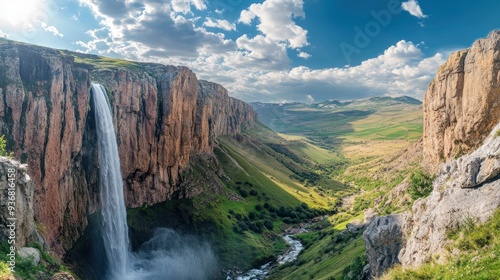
{"points": [[267, 50]]}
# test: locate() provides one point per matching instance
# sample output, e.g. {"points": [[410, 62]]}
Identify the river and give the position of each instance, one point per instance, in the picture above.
{"points": [[290, 255]]}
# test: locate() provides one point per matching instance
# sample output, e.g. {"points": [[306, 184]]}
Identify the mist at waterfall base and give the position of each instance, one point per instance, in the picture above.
{"points": [[168, 254]]}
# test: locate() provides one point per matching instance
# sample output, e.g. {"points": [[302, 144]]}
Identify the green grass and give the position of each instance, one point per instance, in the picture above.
{"points": [[327, 256], [101, 62], [25, 268], [250, 178], [479, 247]]}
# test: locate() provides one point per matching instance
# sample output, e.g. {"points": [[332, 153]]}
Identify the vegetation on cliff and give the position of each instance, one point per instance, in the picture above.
{"points": [[476, 250]]}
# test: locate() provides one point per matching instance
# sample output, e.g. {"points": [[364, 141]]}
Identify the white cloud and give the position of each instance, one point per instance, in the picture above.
{"points": [[276, 21], [253, 68], [413, 8], [258, 53], [401, 70], [184, 6], [3, 34], [304, 55], [219, 23], [310, 98], [51, 29]]}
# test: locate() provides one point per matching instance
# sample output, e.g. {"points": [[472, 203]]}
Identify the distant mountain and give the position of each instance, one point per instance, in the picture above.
{"points": [[327, 123]]}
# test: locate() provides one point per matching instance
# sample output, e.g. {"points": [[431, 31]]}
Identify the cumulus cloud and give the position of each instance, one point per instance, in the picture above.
{"points": [[401, 70], [304, 55], [220, 23], [148, 29], [3, 34], [253, 68], [413, 8], [276, 21], [258, 53], [51, 29], [184, 6]]}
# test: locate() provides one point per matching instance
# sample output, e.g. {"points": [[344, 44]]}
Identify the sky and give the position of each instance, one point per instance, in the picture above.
{"points": [[267, 50]]}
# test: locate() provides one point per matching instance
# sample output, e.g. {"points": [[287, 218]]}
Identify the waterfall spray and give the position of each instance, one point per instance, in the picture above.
{"points": [[114, 215], [167, 255]]}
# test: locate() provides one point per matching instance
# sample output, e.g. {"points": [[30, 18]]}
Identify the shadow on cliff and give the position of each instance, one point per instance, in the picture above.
{"points": [[164, 239]]}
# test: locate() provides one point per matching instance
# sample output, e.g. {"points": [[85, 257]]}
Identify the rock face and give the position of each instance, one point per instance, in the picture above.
{"points": [[25, 229], [465, 189], [383, 241], [163, 115], [462, 103], [461, 113]]}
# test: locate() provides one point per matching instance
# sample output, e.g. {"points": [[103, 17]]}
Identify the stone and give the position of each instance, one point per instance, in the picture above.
{"points": [[26, 252], [62, 276], [383, 239], [24, 211], [461, 105], [461, 128]]}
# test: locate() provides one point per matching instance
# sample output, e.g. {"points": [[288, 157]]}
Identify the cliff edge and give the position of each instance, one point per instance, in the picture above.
{"points": [[163, 116], [461, 115], [462, 103]]}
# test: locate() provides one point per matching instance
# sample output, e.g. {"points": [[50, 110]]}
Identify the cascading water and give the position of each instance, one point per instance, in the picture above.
{"points": [[167, 255], [114, 215]]}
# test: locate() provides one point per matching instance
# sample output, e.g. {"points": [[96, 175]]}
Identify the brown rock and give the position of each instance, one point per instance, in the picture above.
{"points": [[163, 116], [461, 105]]}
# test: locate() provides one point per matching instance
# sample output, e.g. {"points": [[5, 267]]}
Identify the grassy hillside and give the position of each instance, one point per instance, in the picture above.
{"points": [[264, 183], [366, 136]]}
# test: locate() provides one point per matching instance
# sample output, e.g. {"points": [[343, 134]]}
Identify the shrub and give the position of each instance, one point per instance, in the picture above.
{"points": [[420, 185], [268, 224], [252, 216], [3, 145], [243, 193]]}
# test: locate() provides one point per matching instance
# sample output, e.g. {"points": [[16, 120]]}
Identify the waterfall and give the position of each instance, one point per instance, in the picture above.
{"points": [[114, 216], [167, 255]]}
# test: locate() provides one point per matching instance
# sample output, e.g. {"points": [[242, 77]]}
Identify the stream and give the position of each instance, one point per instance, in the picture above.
{"points": [[290, 255]]}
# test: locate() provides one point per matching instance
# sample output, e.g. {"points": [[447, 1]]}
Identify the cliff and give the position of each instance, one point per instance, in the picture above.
{"points": [[163, 115], [461, 115], [22, 192], [461, 105]]}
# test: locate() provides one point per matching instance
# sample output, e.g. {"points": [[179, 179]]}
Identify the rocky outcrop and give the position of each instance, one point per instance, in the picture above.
{"points": [[16, 191], [461, 115], [465, 189], [383, 241], [163, 115], [461, 105]]}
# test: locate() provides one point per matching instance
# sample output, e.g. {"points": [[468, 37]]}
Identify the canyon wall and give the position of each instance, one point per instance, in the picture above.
{"points": [[462, 103], [163, 116], [461, 127]]}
